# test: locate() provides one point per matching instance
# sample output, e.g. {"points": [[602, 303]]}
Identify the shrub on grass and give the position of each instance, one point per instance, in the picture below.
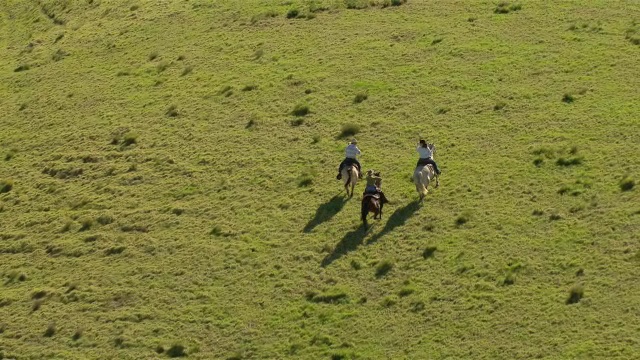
{"points": [[23, 67], [575, 295], [115, 250], [293, 13], [51, 330], [360, 97], [407, 290], [306, 179], [176, 350], [437, 40], [315, 139], [59, 55], [538, 162], [349, 130], [6, 186], [356, 4], [77, 335], [153, 55], [569, 161], [172, 111], [499, 105], [355, 265], [568, 98], [633, 35], [86, 224], [104, 219], [250, 87], [389, 301], [297, 122], [333, 296], [626, 184], [129, 139], [162, 66], [216, 231], [187, 70], [429, 251], [383, 268], [300, 110], [462, 219], [505, 8], [555, 217]]}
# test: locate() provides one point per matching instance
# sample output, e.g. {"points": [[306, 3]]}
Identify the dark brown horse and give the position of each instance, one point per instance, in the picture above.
{"points": [[370, 203]]}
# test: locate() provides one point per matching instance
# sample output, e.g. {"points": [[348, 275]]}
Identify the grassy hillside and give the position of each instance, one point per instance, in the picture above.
{"points": [[159, 198]]}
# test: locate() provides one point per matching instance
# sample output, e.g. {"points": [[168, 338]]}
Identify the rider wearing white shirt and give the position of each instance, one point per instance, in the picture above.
{"points": [[426, 155], [351, 154]]}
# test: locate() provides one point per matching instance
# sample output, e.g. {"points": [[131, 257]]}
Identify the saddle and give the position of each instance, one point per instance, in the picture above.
{"points": [[371, 195]]}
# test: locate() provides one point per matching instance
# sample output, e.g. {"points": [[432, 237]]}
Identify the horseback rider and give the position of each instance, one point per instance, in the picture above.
{"points": [[426, 155], [374, 184], [351, 154]]}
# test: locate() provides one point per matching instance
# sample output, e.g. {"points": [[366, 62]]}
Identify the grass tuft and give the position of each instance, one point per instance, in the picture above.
{"points": [[176, 350], [86, 224], [6, 186], [187, 70], [575, 295], [77, 335], [23, 67], [407, 290], [300, 110], [333, 296], [360, 97], [383, 268], [172, 111], [153, 55], [59, 55], [129, 139], [626, 184], [349, 130], [568, 98], [51, 330], [250, 87], [571, 161], [462, 219], [499, 105], [505, 8], [293, 13], [429, 251]]}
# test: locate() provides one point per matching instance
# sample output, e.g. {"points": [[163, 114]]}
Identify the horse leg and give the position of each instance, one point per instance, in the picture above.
{"points": [[437, 180]]}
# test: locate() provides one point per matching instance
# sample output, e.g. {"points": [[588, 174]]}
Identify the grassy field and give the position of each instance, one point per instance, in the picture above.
{"points": [[159, 198]]}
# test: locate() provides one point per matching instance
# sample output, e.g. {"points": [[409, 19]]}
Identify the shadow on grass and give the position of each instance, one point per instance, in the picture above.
{"points": [[398, 218], [349, 242], [326, 211]]}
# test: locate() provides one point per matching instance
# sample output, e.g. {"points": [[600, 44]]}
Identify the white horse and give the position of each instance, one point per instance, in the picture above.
{"points": [[423, 175], [350, 178]]}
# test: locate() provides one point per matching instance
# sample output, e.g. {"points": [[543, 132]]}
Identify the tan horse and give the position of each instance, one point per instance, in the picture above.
{"points": [[350, 178], [422, 177]]}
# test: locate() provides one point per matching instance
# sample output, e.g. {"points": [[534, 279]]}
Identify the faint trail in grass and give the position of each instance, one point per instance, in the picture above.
{"points": [[348, 243], [326, 211], [398, 218]]}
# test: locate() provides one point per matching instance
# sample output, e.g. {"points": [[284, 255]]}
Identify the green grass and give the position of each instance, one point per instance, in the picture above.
{"points": [[166, 211]]}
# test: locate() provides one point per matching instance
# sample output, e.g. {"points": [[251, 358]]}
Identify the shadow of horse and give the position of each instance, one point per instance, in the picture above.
{"points": [[398, 218], [325, 212], [349, 242]]}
